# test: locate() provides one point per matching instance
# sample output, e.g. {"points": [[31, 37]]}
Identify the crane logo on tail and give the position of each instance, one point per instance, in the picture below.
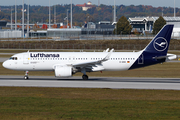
{"points": [[160, 44]]}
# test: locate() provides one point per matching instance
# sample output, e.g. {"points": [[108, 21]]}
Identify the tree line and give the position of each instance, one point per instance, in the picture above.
{"points": [[96, 14]]}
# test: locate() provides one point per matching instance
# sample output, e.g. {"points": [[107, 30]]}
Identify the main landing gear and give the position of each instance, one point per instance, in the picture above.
{"points": [[85, 77], [26, 75]]}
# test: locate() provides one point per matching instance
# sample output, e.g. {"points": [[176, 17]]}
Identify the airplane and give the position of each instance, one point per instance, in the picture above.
{"points": [[65, 64]]}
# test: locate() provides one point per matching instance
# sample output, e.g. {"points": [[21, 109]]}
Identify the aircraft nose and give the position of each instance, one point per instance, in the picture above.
{"points": [[5, 64]]}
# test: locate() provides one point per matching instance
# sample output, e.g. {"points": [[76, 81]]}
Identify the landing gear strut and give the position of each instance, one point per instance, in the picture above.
{"points": [[85, 77], [26, 75]]}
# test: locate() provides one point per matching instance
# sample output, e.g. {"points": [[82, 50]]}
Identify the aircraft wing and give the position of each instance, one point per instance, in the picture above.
{"points": [[92, 63], [87, 64]]}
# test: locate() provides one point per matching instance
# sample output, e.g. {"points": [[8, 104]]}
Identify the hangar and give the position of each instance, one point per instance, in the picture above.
{"points": [[146, 23]]}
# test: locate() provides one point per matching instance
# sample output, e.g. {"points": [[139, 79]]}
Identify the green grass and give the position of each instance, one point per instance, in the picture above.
{"points": [[87, 104], [84, 44]]}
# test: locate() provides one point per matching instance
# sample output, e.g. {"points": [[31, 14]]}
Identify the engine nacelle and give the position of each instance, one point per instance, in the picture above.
{"points": [[63, 71]]}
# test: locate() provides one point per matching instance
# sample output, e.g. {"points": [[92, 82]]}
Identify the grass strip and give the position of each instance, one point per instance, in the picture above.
{"points": [[87, 104]]}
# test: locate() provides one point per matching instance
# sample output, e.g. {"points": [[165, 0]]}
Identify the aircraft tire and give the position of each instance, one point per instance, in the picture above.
{"points": [[26, 77], [85, 77]]}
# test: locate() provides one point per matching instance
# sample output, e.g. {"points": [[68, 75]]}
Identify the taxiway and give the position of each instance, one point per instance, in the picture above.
{"points": [[93, 82]]}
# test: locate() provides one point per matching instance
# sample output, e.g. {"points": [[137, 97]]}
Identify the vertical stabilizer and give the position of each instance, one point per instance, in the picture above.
{"points": [[156, 51], [160, 43]]}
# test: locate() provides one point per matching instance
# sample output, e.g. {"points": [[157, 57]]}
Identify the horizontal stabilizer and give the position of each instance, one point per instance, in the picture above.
{"points": [[168, 57]]}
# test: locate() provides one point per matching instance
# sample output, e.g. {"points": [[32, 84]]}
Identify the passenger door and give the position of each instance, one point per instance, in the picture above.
{"points": [[26, 58]]}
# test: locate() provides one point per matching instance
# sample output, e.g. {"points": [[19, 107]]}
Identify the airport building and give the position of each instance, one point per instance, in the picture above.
{"points": [[4, 33], [85, 6], [143, 24], [2, 23], [101, 28], [63, 32]]}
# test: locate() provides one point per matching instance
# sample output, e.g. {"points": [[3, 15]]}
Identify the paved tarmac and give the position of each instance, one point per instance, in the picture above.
{"points": [[93, 82]]}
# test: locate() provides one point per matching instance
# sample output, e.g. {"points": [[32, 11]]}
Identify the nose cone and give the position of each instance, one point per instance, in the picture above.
{"points": [[5, 64]]}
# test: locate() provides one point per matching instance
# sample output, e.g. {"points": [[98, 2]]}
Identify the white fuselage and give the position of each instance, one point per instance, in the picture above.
{"points": [[45, 61]]}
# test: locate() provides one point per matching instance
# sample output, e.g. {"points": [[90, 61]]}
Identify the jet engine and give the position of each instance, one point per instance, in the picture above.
{"points": [[63, 71]]}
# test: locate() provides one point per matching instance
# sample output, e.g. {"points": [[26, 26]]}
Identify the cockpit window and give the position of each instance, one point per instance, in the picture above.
{"points": [[13, 58]]}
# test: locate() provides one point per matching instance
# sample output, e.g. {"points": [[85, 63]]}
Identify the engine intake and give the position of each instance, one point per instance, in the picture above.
{"points": [[63, 71]]}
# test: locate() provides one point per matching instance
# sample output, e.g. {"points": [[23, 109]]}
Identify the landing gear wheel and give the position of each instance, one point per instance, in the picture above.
{"points": [[26, 77], [85, 77]]}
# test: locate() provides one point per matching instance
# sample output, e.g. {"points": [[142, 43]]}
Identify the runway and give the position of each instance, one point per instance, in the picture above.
{"points": [[93, 82]]}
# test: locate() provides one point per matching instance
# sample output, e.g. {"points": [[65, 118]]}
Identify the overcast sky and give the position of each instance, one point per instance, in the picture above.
{"points": [[155, 3]]}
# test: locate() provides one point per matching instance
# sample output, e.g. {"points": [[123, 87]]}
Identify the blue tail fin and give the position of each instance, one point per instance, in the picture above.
{"points": [[156, 51], [160, 43]]}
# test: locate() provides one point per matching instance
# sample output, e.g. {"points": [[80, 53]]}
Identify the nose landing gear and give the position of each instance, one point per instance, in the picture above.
{"points": [[26, 75]]}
